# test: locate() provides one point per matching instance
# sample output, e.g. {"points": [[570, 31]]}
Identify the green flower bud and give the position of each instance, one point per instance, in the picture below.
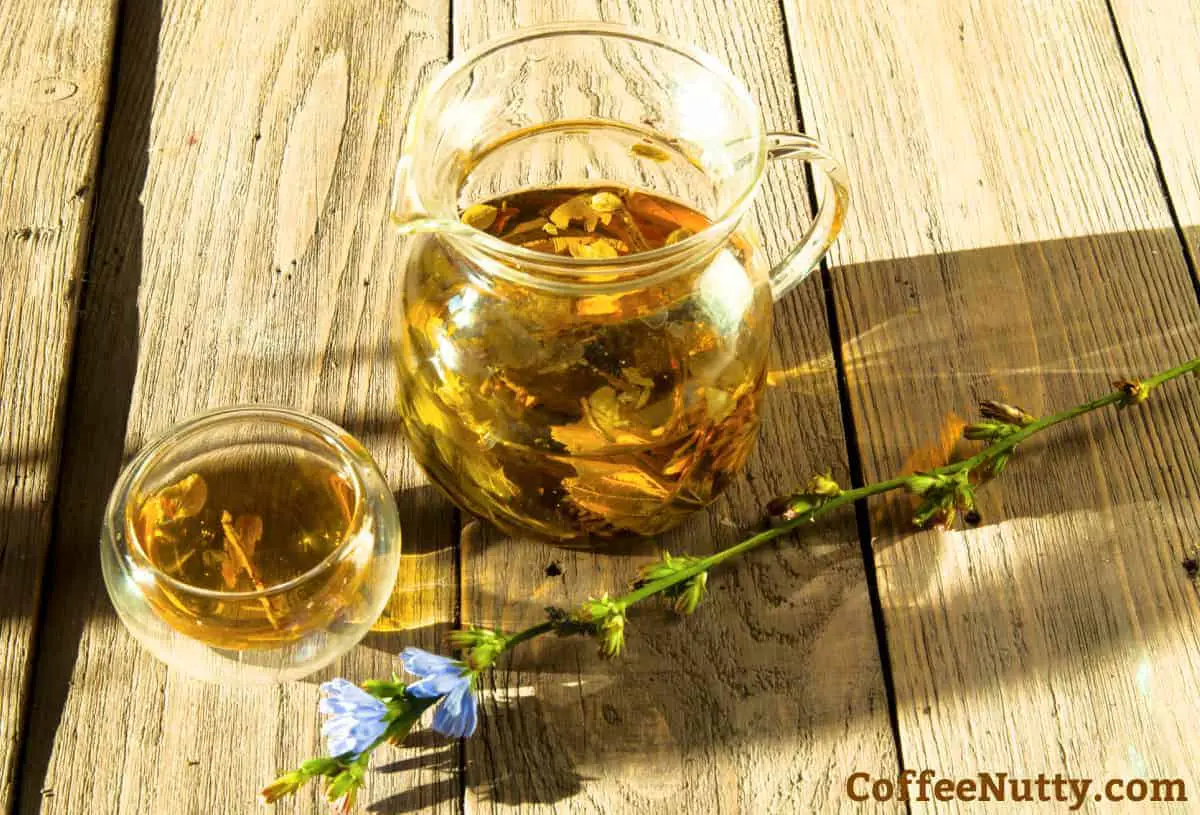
{"points": [[922, 483], [384, 689], [927, 512], [687, 593], [1009, 414], [612, 635], [823, 486], [784, 510], [988, 430], [479, 646], [283, 785], [607, 619], [691, 592], [288, 783], [342, 789], [944, 495], [667, 566], [1132, 391]]}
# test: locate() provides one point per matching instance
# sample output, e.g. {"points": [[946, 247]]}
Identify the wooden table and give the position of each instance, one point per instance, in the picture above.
{"points": [[192, 198]]}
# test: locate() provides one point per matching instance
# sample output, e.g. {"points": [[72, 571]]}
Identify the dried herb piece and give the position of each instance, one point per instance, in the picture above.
{"points": [[502, 217], [605, 201], [184, 498], [677, 235], [650, 151], [241, 539], [578, 208], [480, 216], [599, 249]]}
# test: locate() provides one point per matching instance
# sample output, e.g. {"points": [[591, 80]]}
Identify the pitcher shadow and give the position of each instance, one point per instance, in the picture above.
{"points": [[1078, 486]]}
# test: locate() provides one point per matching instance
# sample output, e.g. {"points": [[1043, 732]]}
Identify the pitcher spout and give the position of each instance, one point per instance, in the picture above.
{"points": [[408, 213]]}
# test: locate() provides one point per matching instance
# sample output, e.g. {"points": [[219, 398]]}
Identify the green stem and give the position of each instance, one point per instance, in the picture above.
{"points": [[850, 496], [527, 634]]}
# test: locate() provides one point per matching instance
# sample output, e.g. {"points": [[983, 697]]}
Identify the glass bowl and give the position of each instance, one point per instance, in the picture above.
{"points": [[250, 544]]}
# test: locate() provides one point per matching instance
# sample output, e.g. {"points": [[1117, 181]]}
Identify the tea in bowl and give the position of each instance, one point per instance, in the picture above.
{"points": [[250, 544]]}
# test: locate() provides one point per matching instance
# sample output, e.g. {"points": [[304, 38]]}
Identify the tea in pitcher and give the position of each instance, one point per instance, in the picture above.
{"points": [[585, 304], [593, 222], [602, 406]]}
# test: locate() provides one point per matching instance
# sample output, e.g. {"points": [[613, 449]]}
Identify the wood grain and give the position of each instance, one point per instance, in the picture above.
{"points": [[1160, 41], [242, 254], [54, 72], [772, 694], [1010, 240]]}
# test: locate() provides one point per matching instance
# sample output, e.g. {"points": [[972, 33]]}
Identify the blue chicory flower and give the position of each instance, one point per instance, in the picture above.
{"points": [[355, 717], [448, 679]]}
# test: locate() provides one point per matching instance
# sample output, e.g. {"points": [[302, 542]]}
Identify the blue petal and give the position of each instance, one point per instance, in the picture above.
{"points": [[423, 663], [337, 735], [470, 715], [348, 734], [365, 732], [342, 696], [436, 685], [456, 715], [336, 687]]}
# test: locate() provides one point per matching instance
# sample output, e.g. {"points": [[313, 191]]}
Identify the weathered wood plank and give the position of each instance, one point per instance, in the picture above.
{"points": [[242, 254], [1010, 240], [772, 694], [54, 69], [1160, 41]]}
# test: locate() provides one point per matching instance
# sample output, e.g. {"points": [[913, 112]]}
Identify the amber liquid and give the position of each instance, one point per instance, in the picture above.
{"points": [[579, 414], [244, 530]]}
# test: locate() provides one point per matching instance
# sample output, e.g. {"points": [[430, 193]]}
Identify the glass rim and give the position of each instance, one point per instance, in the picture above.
{"points": [[719, 227], [328, 432]]}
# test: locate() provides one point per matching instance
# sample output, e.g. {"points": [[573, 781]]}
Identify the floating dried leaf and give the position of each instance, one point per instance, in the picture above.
{"points": [[502, 218], [576, 208], [489, 477], [606, 202], [616, 491], [650, 151], [229, 572], [599, 249], [637, 377], [241, 539], [532, 225], [639, 396], [599, 304], [479, 216], [677, 235], [249, 529], [580, 438], [344, 494], [685, 456], [183, 499], [605, 413]]}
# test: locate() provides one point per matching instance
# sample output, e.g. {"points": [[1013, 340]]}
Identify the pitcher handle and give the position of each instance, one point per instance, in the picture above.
{"points": [[834, 199]]}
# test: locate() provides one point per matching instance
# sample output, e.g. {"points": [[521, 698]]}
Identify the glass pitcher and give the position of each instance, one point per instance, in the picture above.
{"points": [[583, 324]]}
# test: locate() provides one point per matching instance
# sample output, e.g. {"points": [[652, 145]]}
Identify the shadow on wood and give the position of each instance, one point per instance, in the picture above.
{"points": [[106, 356], [689, 691]]}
